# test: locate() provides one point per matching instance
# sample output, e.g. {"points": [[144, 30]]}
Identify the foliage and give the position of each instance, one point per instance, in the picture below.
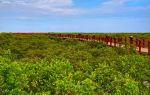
{"points": [[41, 65]]}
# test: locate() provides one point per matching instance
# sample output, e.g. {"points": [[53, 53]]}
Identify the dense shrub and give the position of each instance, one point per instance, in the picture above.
{"points": [[42, 65]]}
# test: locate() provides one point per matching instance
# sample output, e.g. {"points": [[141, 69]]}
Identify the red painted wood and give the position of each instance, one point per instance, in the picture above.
{"points": [[106, 39], [143, 43], [99, 38], [149, 47], [120, 41], [93, 37], [86, 37], [131, 40], [125, 41], [110, 41], [137, 42], [140, 46], [115, 42]]}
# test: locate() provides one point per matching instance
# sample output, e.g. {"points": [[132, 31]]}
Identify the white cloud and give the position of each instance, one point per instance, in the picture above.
{"points": [[64, 7], [39, 2], [67, 7]]}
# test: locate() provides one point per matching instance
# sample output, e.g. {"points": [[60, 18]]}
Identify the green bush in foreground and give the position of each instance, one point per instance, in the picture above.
{"points": [[60, 77]]}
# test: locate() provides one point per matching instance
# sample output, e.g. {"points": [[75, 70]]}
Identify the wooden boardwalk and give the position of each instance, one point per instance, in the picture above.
{"points": [[143, 50], [110, 41]]}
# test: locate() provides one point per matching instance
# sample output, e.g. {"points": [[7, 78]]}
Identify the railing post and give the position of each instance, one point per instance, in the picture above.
{"points": [[89, 37], [103, 39], [137, 42], [143, 43], [99, 38], [114, 42], [106, 40], [131, 40], [86, 38], [139, 46], [82, 37], [69, 35], [79, 36], [93, 37], [120, 41], [110, 41], [75, 35], [149, 47], [125, 41]]}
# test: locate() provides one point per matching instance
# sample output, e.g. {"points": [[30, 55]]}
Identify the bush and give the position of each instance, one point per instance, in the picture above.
{"points": [[40, 65]]}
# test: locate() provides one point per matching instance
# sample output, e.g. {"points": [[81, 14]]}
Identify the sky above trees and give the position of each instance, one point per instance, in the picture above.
{"points": [[74, 15]]}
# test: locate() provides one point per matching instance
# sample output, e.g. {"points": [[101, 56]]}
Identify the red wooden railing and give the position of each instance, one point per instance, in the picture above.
{"points": [[149, 47], [140, 44], [125, 41]]}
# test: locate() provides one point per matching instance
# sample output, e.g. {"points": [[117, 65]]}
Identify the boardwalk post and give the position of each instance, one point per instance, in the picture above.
{"points": [[89, 37], [82, 37], [103, 39], [92, 37], [137, 42], [131, 40], [99, 38], [125, 41], [79, 36], [71, 36], [149, 47], [86, 37], [96, 38], [110, 41], [120, 41], [143, 43], [106, 40], [76, 36], [114, 42], [139, 46]]}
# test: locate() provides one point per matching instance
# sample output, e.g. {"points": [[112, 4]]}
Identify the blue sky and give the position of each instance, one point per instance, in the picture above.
{"points": [[74, 15]]}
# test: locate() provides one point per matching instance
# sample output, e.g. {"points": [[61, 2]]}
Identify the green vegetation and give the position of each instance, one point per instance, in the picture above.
{"points": [[42, 65]]}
